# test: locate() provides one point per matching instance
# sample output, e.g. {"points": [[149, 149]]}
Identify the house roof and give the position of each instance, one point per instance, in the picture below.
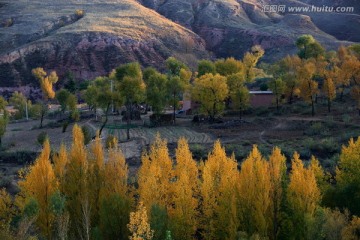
{"points": [[260, 92]]}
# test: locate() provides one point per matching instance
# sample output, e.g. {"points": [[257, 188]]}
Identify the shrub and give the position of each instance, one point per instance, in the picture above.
{"points": [[316, 128], [79, 13], [87, 134], [346, 118], [7, 22], [111, 141], [42, 137]]}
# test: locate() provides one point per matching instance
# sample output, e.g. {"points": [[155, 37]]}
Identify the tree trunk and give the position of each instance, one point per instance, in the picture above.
{"points": [[128, 121], [312, 108], [342, 93], [277, 104], [174, 109], [329, 105], [41, 119], [106, 119], [291, 98]]}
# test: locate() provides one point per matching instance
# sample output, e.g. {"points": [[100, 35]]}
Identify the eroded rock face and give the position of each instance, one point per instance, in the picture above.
{"points": [[87, 38]]}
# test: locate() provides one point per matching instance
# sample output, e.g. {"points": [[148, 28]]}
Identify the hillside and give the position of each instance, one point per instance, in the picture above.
{"points": [[231, 27], [56, 36], [53, 35]]}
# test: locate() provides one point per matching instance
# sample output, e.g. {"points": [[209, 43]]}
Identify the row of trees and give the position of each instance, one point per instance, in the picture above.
{"points": [[308, 75], [314, 72], [86, 193], [128, 85]]}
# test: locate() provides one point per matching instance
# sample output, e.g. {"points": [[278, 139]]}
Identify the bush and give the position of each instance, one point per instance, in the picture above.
{"points": [[199, 151], [42, 137], [79, 13], [111, 141], [317, 128], [7, 23], [87, 134], [346, 118]]}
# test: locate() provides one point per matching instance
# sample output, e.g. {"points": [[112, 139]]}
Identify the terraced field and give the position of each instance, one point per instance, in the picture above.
{"points": [[171, 134]]}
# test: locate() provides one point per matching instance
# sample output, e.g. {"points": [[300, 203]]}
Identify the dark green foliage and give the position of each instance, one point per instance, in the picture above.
{"points": [[132, 70], [42, 137], [87, 134], [156, 93], [159, 222], [31, 208], [174, 66], [309, 47], [114, 217], [57, 203], [62, 96], [206, 66]]}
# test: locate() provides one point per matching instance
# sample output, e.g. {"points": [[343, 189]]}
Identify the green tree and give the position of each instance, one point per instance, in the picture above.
{"points": [[206, 66], [277, 86], [131, 88], [176, 86], [62, 96], [114, 215], [174, 66], [228, 66], [99, 95], [309, 47], [156, 92], [21, 104], [211, 91], [178, 79]]}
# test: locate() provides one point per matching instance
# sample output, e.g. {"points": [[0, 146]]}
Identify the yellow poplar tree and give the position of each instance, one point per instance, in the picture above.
{"points": [[46, 83], [351, 231], [329, 91], [348, 176], [76, 186], [60, 163], [277, 171], [254, 194], [303, 196], [139, 225], [115, 175], [218, 206], [6, 210], [95, 177], [186, 190], [308, 87], [155, 175], [320, 175], [40, 183]]}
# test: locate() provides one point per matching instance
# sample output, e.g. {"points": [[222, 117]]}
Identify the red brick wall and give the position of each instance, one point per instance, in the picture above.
{"points": [[261, 100]]}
